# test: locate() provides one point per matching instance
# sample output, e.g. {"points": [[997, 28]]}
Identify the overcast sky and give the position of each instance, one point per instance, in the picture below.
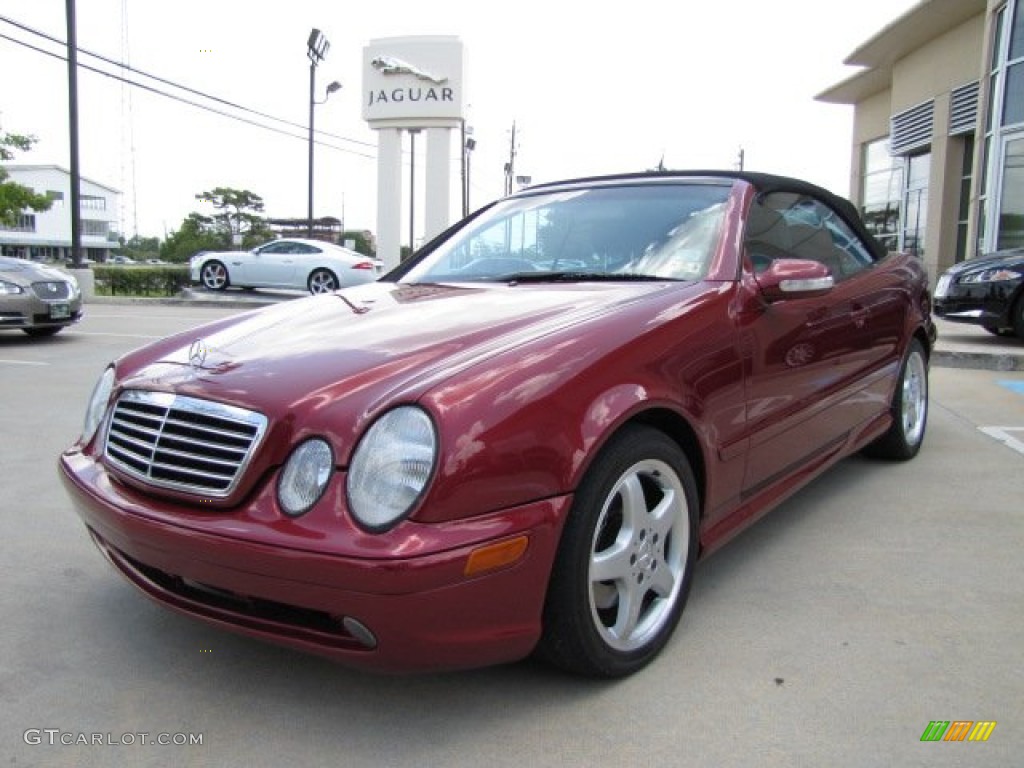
{"points": [[593, 88]]}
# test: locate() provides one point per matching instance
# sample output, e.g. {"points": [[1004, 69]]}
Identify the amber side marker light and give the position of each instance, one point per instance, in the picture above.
{"points": [[496, 555]]}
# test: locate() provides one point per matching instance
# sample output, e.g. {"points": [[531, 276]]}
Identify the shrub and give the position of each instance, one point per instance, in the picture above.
{"points": [[140, 281]]}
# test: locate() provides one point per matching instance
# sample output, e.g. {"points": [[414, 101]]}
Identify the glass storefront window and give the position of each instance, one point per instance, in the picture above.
{"points": [[997, 38], [964, 210], [1013, 96], [1017, 34], [916, 203], [882, 193], [1011, 204]]}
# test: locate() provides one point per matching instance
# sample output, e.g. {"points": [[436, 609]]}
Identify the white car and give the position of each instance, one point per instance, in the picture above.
{"points": [[314, 265]]}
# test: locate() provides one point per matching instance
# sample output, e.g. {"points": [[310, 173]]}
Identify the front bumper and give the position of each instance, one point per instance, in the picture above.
{"points": [[379, 610], [29, 311], [986, 304]]}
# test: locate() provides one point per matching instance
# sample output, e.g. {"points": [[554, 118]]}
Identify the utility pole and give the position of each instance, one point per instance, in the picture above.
{"points": [[510, 166], [468, 145], [462, 154], [741, 155], [76, 192]]}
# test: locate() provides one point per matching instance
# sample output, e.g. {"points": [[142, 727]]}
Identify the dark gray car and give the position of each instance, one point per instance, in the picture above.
{"points": [[37, 299]]}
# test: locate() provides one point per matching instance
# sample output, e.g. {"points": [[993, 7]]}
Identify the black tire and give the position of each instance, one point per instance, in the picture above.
{"points": [[909, 407], [48, 330], [322, 281], [214, 276], [589, 628], [1017, 317]]}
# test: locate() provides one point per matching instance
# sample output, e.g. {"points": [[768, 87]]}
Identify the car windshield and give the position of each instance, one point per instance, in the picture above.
{"points": [[640, 232]]}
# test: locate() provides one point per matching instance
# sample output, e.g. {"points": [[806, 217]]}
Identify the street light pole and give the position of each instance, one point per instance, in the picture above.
{"points": [[312, 94], [317, 47]]}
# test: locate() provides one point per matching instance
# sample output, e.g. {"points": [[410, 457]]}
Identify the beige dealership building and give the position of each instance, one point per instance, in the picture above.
{"points": [[937, 161]]}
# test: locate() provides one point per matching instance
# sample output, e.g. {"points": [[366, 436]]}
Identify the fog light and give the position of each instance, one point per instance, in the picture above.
{"points": [[359, 631], [305, 477]]}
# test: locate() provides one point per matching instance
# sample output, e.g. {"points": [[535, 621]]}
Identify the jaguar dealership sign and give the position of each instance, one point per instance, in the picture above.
{"points": [[413, 82], [411, 86]]}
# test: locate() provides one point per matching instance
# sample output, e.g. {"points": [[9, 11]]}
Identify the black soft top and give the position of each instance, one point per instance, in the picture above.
{"points": [[764, 183]]}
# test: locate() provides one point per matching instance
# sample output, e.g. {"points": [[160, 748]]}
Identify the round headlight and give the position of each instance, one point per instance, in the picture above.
{"points": [[391, 466], [305, 476], [98, 402]]}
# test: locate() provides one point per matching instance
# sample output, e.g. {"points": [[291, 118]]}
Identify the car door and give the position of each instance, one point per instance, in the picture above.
{"points": [[817, 367], [305, 259], [271, 265]]}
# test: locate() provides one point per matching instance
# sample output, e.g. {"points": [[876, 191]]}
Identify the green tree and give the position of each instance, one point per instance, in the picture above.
{"points": [[14, 198], [196, 233], [360, 239], [140, 248], [238, 214]]}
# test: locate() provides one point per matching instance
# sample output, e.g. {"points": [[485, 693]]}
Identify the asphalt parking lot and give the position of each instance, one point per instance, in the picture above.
{"points": [[879, 599]]}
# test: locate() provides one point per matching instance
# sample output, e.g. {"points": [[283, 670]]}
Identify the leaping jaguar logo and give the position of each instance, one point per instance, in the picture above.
{"points": [[389, 65]]}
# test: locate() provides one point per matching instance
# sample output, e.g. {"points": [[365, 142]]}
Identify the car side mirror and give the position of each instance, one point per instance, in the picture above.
{"points": [[794, 279]]}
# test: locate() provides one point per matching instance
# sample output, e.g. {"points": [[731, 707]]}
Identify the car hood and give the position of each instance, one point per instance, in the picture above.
{"points": [[24, 272], [333, 361], [1004, 259]]}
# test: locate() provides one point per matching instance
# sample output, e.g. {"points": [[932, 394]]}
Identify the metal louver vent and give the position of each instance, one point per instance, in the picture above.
{"points": [[963, 109], [912, 129], [183, 443]]}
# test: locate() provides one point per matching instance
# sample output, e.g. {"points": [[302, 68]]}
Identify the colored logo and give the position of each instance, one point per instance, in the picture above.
{"points": [[958, 730]]}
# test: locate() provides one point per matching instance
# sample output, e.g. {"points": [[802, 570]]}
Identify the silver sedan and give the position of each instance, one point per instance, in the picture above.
{"points": [[313, 265], [37, 299]]}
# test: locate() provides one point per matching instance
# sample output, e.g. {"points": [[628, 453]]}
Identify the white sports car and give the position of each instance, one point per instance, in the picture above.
{"points": [[314, 265]]}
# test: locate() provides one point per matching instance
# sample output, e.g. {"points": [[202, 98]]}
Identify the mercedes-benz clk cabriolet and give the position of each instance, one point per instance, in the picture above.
{"points": [[519, 441]]}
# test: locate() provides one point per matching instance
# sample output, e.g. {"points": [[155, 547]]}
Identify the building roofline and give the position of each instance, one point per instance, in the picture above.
{"points": [[858, 86], [921, 24], [924, 22], [53, 167]]}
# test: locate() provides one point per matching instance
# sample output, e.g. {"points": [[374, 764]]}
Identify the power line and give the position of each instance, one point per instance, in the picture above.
{"points": [[187, 89], [183, 100], [122, 65]]}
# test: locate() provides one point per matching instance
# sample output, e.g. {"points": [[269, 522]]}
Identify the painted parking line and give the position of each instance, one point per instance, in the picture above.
{"points": [[1011, 437], [20, 362]]}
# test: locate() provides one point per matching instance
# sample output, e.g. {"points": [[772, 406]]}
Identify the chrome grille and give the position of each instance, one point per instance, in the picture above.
{"points": [[52, 289], [183, 443]]}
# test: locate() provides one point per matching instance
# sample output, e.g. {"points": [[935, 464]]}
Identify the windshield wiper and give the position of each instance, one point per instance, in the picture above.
{"points": [[578, 276]]}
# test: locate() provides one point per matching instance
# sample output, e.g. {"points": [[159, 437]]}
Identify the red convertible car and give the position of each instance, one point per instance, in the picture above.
{"points": [[522, 439]]}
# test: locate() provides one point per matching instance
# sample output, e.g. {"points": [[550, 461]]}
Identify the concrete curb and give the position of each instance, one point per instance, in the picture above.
{"points": [[190, 300], [988, 361]]}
